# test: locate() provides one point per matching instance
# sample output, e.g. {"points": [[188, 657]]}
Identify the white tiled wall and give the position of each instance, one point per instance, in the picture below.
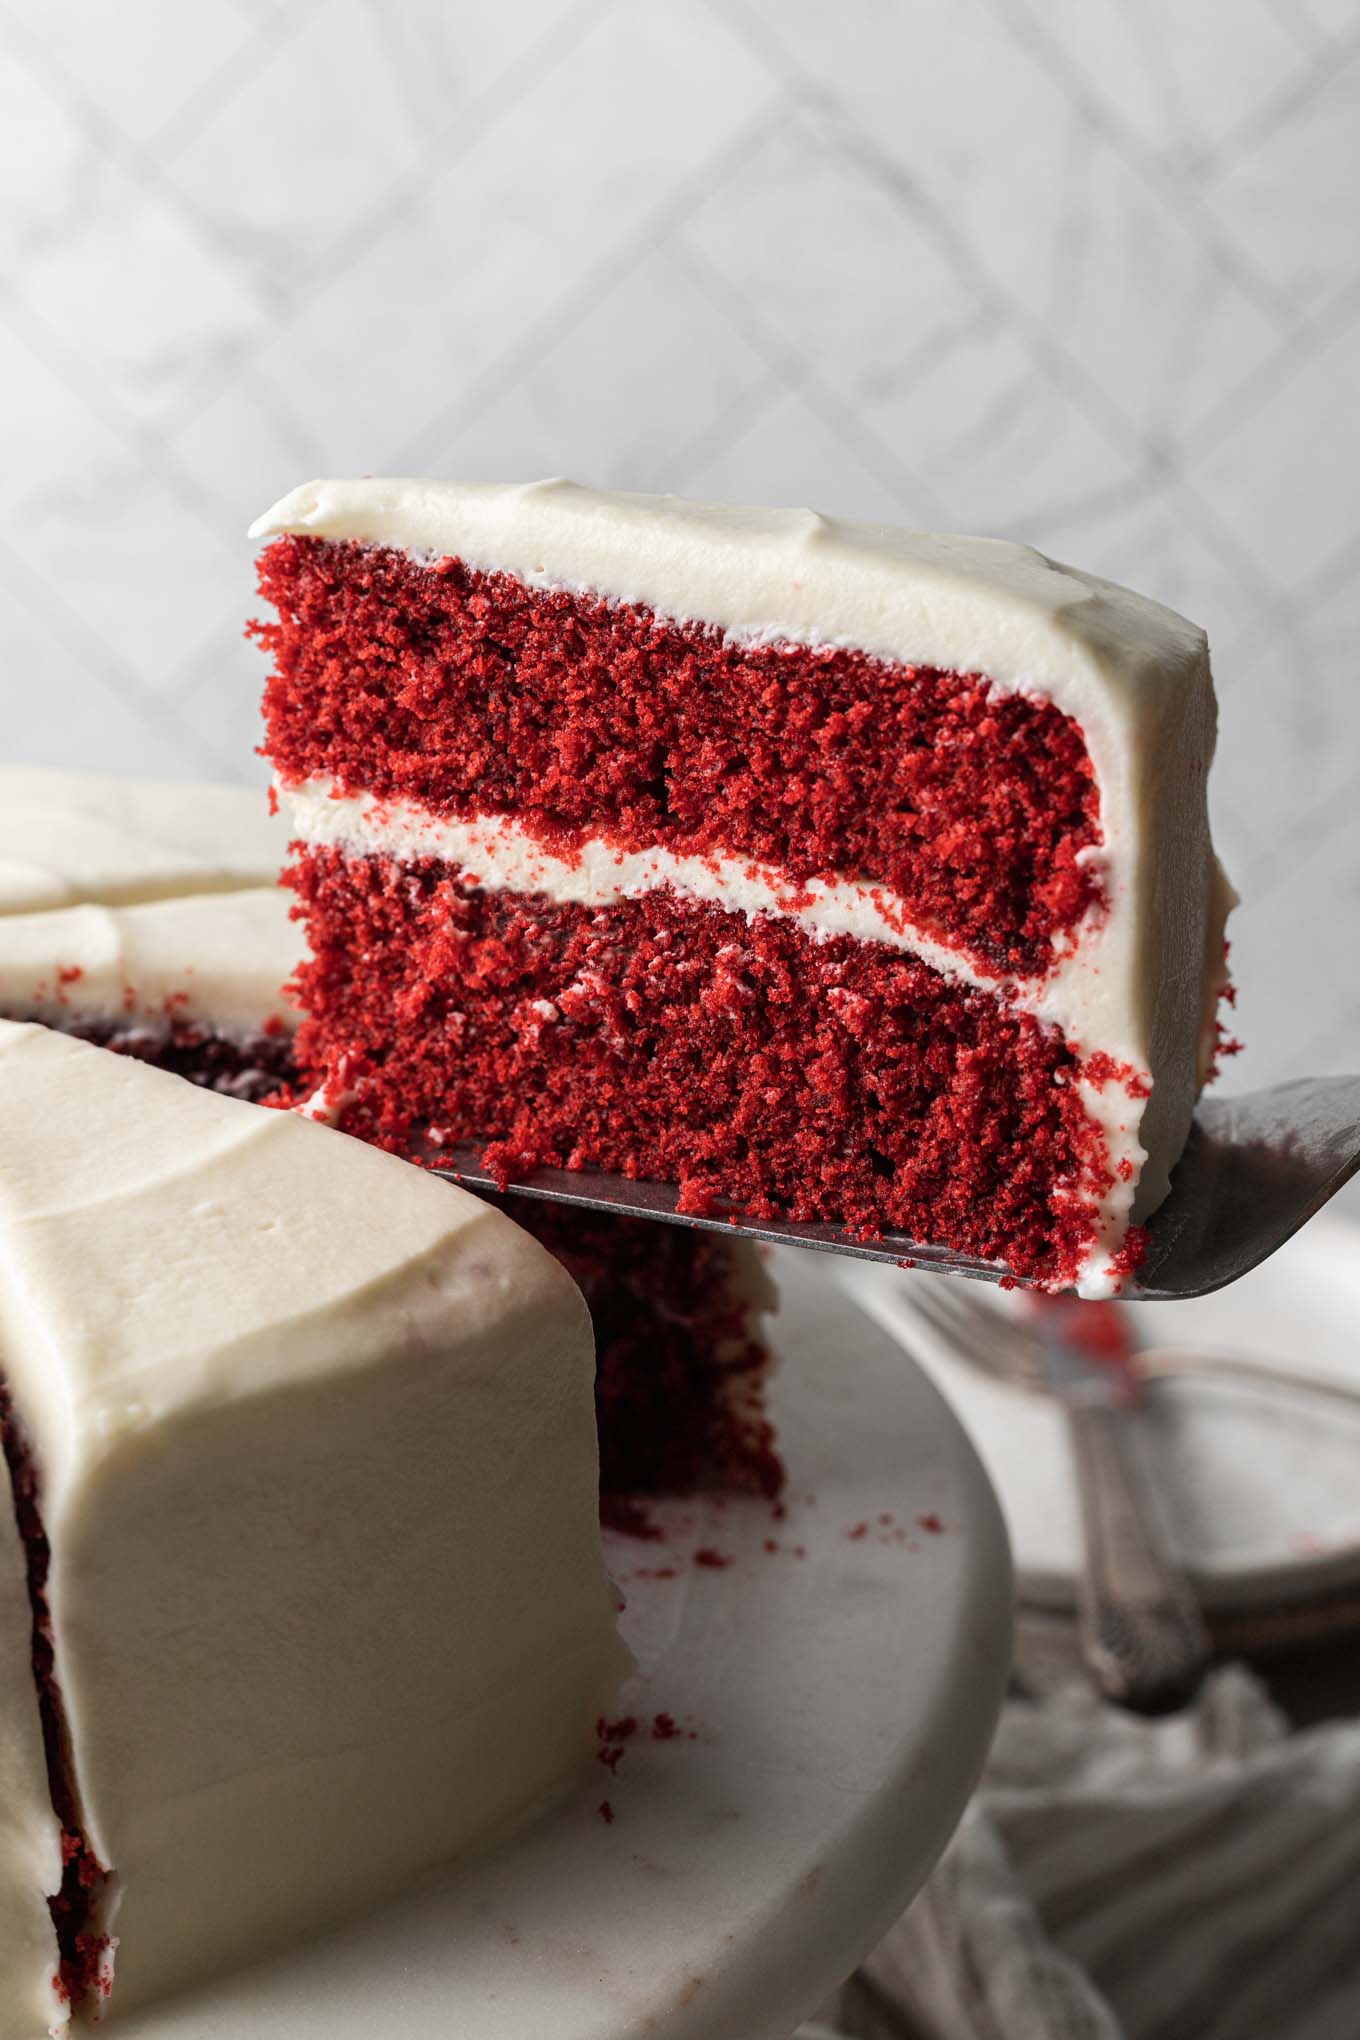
{"points": [[1086, 272]]}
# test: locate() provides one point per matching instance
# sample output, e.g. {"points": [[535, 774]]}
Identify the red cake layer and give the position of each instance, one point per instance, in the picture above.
{"points": [[82, 1950], [253, 1067], [681, 1370], [472, 694], [666, 1038]]}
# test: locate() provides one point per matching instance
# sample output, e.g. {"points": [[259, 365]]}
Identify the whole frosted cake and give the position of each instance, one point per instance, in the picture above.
{"points": [[302, 1590], [825, 869]]}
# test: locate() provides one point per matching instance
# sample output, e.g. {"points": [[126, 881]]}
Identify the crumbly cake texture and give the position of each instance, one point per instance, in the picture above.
{"points": [[663, 1038], [580, 716], [824, 869], [358, 1403], [682, 1367]]}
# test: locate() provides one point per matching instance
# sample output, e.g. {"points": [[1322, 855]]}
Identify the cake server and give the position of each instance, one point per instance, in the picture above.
{"points": [[1255, 1169]]}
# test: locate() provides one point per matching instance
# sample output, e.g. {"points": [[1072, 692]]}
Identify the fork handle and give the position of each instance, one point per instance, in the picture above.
{"points": [[1142, 1634]]}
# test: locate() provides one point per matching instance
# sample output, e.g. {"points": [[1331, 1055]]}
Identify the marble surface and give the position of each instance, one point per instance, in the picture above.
{"points": [[1079, 271]]}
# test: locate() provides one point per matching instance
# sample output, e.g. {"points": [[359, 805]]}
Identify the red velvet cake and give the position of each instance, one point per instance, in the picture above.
{"points": [[857, 875], [120, 936], [681, 1367]]}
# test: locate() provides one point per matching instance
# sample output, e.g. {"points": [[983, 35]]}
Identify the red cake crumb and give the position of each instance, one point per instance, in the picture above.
{"points": [[471, 694], [606, 1813], [622, 1730], [930, 1523], [82, 1972], [680, 1381], [1225, 1045], [255, 1067], [713, 1561], [829, 1079]]}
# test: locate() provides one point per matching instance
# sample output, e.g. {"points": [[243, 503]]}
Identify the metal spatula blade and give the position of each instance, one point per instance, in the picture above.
{"points": [[1255, 1169]]}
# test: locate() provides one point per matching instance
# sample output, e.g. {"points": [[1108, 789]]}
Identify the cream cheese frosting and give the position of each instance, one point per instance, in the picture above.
{"points": [[30, 1836], [1138, 984], [219, 959], [318, 1469], [71, 837]]}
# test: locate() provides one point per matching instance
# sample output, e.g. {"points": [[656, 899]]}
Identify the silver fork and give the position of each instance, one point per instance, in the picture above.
{"points": [[1142, 1636], [1004, 1344]]}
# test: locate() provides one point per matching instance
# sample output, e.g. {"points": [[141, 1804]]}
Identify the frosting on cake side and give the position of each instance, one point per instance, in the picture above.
{"points": [[319, 1476]]}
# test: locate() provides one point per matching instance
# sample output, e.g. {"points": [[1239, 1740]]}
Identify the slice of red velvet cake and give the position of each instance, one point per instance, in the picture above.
{"points": [[848, 873]]}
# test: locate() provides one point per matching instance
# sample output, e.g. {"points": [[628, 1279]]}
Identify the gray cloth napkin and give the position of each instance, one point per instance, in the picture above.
{"points": [[1196, 1878]]}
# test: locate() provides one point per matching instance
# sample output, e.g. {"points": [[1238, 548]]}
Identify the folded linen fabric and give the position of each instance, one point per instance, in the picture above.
{"points": [[1196, 1878]]}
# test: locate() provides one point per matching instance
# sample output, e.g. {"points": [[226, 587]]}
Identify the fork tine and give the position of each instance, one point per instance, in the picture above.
{"points": [[980, 1334]]}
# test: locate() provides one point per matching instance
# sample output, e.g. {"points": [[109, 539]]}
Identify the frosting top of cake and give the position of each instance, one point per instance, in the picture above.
{"points": [[223, 1249], [218, 959], [980, 605], [70, 837]]}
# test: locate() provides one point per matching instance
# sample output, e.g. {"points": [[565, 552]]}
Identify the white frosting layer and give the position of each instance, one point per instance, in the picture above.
{"points": [[69, 837], [319, 1474], [970, 605], [1132, 674], [220, 959], [30, 1837]]}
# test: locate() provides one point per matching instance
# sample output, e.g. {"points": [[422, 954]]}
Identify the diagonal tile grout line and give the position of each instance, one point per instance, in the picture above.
{"points": [[208, 99], [1065, 371], [1259, 126], [898, 184], [137, 158], [1289, 16], [46, 343], [489, 107], [727, 424], [799, 376], [1031, 36], [1337, 569], [463, 131], [1308, 340], [1230, 550], [35, 594], [152, 443], [558, 318]]}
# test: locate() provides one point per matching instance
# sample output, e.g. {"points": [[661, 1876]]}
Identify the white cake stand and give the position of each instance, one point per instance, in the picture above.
{"points": [[835, 1707]]}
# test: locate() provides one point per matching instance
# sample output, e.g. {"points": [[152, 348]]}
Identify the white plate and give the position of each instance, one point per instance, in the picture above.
{"points": [[1262, 1488], [841, 1704]]}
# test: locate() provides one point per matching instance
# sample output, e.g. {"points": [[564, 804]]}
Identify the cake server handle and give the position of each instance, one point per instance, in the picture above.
{"points": [[1142, 1635]]}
